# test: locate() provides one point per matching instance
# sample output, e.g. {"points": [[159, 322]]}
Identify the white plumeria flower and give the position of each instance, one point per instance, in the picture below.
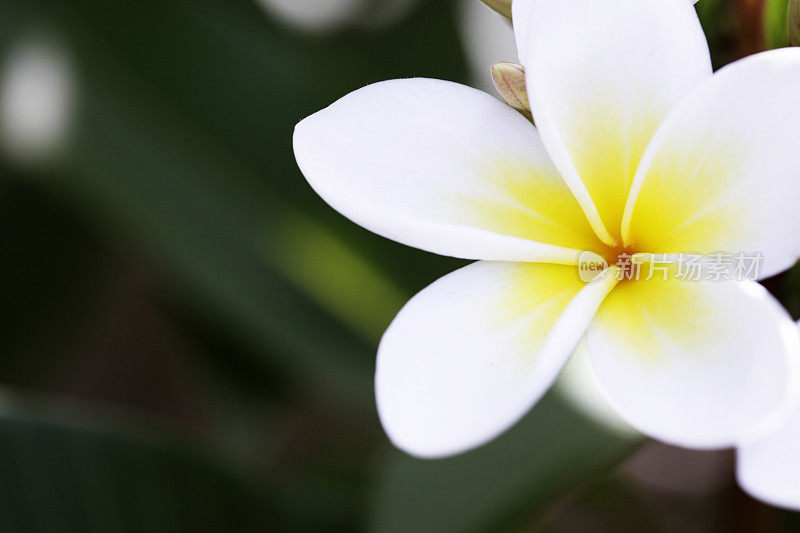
{"points": [[769, 469], [639, 149], [487, 36]]}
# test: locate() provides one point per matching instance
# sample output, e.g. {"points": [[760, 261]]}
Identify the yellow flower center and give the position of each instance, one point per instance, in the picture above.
{"points": [[622, 257]]}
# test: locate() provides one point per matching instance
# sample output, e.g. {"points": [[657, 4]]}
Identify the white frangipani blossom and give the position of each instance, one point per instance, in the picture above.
{"points": [[769, 468], [488, 37], [638, 149]]}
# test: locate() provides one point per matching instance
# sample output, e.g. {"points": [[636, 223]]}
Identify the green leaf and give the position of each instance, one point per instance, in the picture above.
{"points": [[53, 272], [62, 472], [547, 455], [182, 142], [718, 18]]}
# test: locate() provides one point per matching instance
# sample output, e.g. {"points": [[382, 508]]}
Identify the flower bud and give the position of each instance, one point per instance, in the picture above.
{"points": [[793, 22], [509, 80], [501, 6]]}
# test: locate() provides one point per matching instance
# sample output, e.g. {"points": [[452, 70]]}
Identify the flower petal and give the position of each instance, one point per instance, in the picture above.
{"points": [[601, 78], [722, 173], [769, 468], [445, 168], [522, 21], [467, 357], [521, 11], [696, 364], [578, 384]]}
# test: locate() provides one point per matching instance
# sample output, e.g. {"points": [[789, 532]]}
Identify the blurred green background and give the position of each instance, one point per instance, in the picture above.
{"points": [[188, 333]]}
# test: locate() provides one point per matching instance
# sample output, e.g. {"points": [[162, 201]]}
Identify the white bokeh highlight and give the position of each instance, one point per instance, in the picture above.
{"points": [[37, 86], [324, 16]]}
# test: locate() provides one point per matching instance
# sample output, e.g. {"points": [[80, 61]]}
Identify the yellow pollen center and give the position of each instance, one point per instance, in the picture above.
{"points": [[622, 257]]}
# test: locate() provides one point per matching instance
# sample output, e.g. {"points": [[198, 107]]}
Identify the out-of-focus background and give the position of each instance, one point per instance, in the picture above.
{"points": [[188, 333]]}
